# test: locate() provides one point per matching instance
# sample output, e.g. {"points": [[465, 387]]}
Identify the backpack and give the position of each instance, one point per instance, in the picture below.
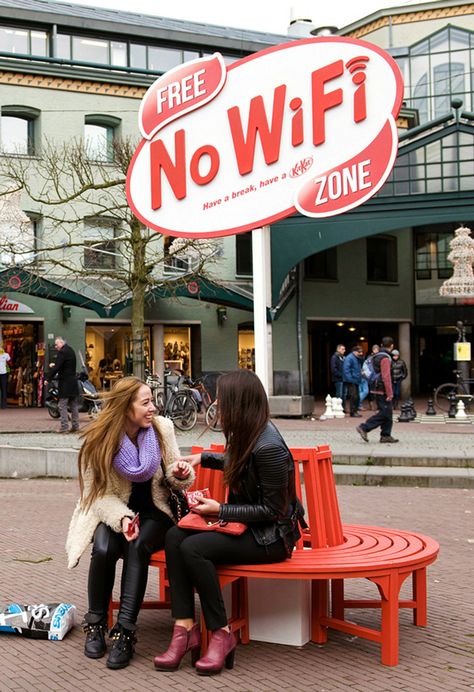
{"points": [[371, 371]]}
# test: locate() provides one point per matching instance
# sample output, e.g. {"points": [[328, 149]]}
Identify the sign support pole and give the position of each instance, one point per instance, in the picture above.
{"points": [[262, 288]]}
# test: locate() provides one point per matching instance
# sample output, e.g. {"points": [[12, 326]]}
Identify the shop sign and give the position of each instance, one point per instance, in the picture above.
{"points": [[306, 126], [462, 351], [7, 305]]}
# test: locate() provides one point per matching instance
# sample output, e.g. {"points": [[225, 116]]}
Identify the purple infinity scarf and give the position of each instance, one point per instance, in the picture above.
{"points": [[138, 465]]}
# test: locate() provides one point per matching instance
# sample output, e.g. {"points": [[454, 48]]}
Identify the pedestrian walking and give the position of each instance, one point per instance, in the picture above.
{"points": [[336, 363], [399, 373], [381, 386], [127, 464], [259, 472], [65, 370], [4, 369], [351, 372]]}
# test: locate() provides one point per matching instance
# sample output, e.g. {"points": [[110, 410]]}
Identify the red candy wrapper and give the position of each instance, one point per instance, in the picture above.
{"points": [[193, 496]]}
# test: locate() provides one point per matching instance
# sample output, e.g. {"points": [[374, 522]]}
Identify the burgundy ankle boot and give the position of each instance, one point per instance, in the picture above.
{"points": [[221, 650], [182, 641]]}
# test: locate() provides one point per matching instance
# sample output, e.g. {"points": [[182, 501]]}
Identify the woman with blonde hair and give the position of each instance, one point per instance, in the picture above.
{"points": [[127, 461]]}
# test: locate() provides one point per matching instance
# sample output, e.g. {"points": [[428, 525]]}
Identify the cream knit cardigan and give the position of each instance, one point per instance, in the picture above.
{"points": [[112, 506]]}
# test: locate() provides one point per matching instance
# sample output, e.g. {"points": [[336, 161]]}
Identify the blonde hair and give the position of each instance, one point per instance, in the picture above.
{"points": [[103, 436]]}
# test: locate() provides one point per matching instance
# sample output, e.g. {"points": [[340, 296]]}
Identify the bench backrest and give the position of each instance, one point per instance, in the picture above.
{"points": [[315, 487]]}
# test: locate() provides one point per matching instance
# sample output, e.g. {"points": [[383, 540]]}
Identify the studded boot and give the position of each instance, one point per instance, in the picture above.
{"points": [[123, 647], [95, 646]]}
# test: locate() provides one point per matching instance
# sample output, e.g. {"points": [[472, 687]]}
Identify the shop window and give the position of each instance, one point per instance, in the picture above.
{"points": [[246, 349], [382, 262], [109, 352], [322, 265], [243, 254], [99, 246], [99, 134], [177, 352], [17, 130]]}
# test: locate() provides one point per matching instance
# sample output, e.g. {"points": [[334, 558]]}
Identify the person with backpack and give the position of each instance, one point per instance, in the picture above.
{"points": [[380, 384], [351, 374], [399, 373]]}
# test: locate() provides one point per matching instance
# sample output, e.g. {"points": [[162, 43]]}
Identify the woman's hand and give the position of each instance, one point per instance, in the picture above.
{"points": [[193, 459], [135, 530], [181, 470], [206, 506]]}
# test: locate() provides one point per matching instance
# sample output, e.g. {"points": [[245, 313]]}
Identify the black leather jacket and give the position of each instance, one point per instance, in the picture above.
{"points": [[266, 499]]}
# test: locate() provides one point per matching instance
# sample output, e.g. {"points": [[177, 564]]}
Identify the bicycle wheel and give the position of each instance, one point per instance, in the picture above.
{"points": [[182, 410], [442, 394], [159, 401], [212, 419]]}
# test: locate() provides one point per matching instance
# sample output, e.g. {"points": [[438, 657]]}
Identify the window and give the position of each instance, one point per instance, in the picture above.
{"points": [[23, 41], [99, 245], [17, 130], [322, 265], [382, 259], [173, 264], [243, 252], [163, 59], [90, 50], [138, 56], [432, 251], [99, 133]]}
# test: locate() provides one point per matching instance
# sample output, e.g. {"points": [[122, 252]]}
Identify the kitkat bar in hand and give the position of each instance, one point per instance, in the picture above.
{"points": [[193, 496]]}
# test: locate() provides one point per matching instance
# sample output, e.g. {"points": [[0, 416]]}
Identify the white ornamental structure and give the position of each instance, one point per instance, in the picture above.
{"points": [[461, 284]]}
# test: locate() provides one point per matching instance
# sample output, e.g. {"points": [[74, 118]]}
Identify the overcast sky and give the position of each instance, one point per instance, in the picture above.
{"points": [[260, 15]]}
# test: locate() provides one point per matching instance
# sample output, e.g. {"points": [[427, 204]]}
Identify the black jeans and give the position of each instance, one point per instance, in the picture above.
{"points": [[353, 396], [3, 389], [191, 558], [382, 418], [108, 547]]}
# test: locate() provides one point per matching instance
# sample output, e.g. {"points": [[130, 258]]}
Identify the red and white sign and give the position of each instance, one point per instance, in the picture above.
{"points": [[7, 305], [306, 126]]}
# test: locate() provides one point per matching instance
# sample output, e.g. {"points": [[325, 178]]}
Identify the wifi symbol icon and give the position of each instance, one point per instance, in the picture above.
{"points": [[356, 67]]}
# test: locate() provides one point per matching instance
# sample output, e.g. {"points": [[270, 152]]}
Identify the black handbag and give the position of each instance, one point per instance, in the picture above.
{"points": [[177, 501]]}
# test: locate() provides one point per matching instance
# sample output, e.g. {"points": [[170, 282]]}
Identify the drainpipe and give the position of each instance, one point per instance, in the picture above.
{"points": [[299, 325]]}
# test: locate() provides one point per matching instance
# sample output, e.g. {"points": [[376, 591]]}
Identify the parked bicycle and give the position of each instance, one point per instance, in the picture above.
{"points": [[173, 400], [461, 390], [206, 400]]}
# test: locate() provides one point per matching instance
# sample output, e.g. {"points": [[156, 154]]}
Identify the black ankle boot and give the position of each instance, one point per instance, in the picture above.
{"points": [[95, 646], [123, 647]]}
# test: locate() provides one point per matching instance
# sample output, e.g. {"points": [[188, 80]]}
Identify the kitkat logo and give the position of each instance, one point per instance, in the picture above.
{"points": [[307, 126], [179, 91]]}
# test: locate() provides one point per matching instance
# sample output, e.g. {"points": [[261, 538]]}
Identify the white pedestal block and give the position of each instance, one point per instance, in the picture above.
{"points": [[280, 611]]}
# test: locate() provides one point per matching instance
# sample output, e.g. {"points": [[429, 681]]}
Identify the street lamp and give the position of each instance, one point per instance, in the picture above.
{"points": [[461, 285]]}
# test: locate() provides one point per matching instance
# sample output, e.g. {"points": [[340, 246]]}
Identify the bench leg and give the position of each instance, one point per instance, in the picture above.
{"points": [[389, 588], [319, 609], [420, 611], [337, 598]]}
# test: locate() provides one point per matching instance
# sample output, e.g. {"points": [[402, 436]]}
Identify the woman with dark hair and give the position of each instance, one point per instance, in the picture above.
{"points": [[126, 462], [259, 474]]}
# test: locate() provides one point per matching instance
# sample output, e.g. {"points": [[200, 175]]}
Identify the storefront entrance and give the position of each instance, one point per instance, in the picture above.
{"points": [[23, 341]]}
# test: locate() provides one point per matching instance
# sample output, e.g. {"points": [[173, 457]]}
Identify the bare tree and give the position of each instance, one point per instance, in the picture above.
{"points": [[89, 232]]}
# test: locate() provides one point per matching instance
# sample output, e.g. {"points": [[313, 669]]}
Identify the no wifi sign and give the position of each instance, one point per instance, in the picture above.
{"points": [[307, 126]]}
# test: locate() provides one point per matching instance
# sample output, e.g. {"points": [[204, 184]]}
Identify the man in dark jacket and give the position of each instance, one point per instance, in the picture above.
{"points": [[382, 388], [337, 359], [65, 369], [352, 376]]}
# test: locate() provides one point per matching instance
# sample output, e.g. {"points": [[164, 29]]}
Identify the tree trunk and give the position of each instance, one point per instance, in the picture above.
{"points": [[139, 284]]}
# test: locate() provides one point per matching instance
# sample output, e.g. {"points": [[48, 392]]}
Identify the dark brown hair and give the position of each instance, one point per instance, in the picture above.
{"points": [[244, 413]]}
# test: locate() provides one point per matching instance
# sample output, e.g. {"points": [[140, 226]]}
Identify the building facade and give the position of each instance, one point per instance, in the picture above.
{"points": [[373, 271]]}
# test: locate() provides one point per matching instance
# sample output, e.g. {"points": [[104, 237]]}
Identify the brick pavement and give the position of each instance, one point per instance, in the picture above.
{"points": [[35, 515]]}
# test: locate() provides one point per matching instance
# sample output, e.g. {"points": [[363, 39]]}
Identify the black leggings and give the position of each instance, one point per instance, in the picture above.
{"points": [[191, 558], [108, 547]]}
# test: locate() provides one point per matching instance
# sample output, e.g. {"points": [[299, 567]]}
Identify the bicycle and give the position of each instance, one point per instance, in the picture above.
{"points": [[172, 400], [210, 405], [460, 389]]}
